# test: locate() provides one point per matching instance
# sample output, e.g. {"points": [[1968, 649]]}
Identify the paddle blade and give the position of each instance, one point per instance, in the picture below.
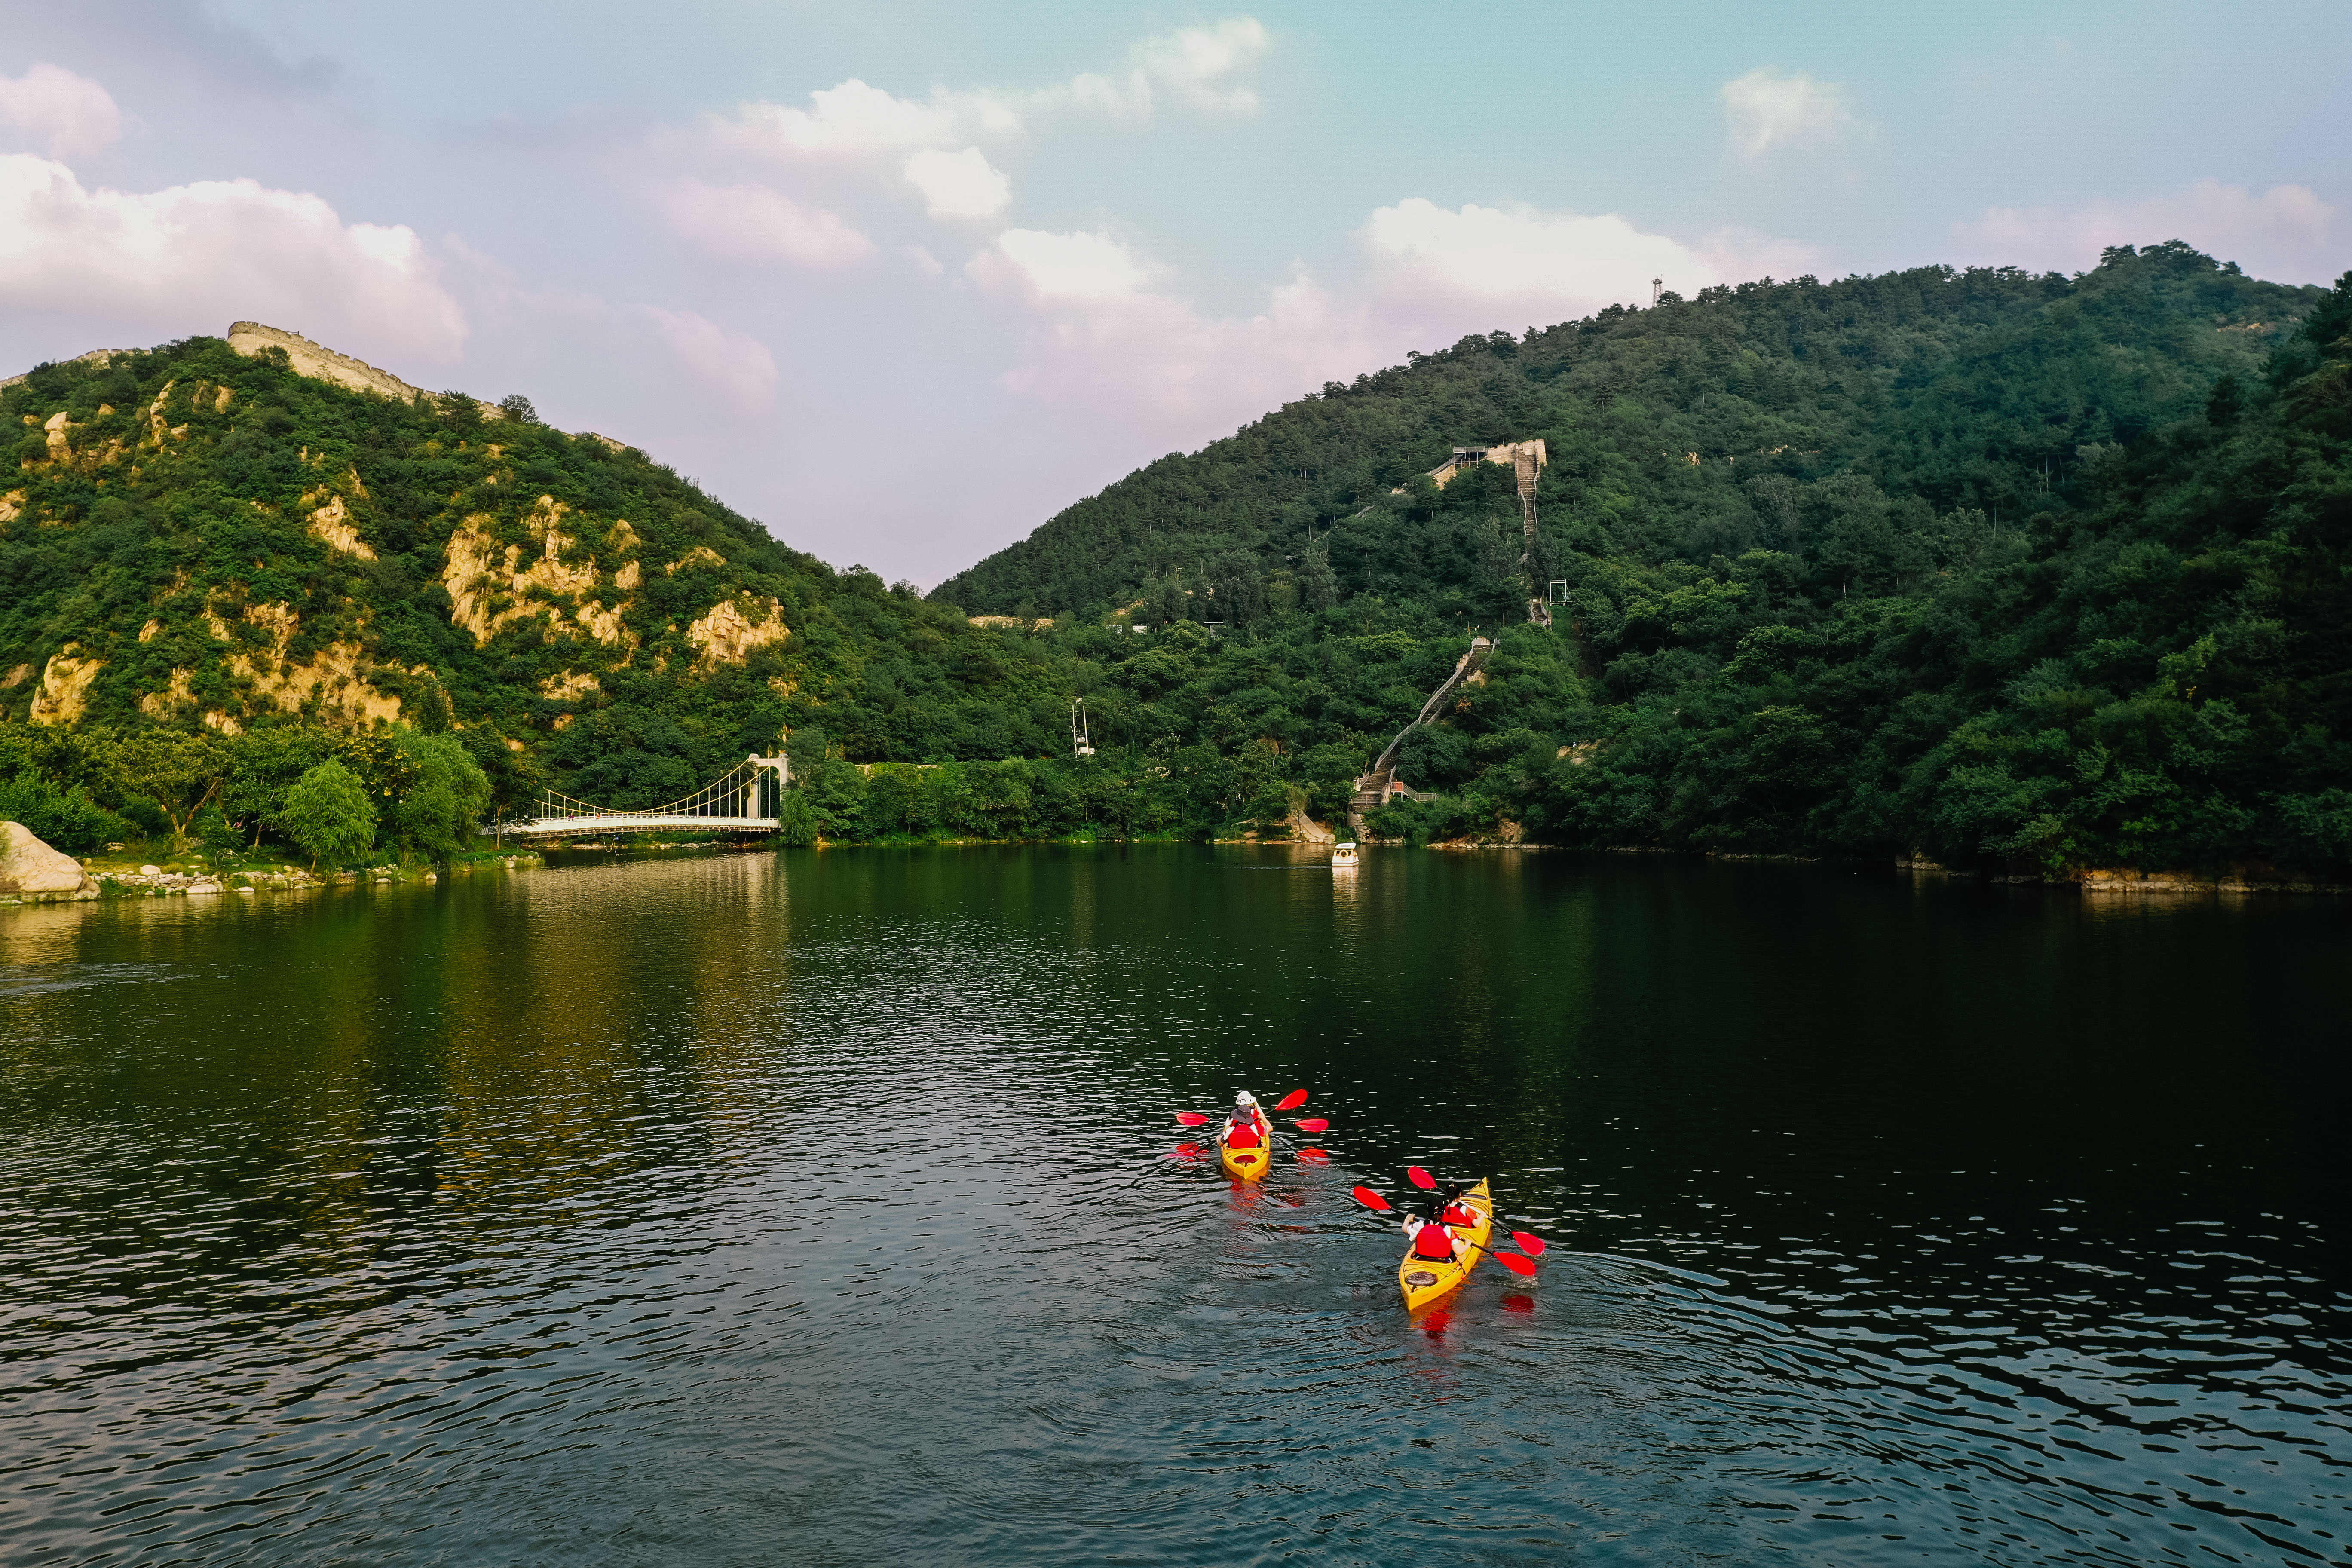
{"points": [[1315, 1156], [1191, 1119], [1529, 1243], [1516, 1264], [1420, 1178], [1371, 1200], [1313, 1124], [1291, 1102], [1186, 1152]]}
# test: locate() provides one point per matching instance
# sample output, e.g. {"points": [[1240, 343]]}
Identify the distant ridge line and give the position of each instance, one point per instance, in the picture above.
{"points": [[319, 363]]}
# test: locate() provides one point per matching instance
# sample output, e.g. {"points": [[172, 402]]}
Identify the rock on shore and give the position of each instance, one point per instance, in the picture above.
{"points": [[32, 872]]}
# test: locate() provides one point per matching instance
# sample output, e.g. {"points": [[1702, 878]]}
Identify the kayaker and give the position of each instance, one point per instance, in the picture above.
{"points": [[1447, 1203], [1247, 1128], [1431, 1241]]}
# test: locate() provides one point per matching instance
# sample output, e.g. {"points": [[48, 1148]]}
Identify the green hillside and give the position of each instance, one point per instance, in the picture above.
{"points": [[2012, 572]]}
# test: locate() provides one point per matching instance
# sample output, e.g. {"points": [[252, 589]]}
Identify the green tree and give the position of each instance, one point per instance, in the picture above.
{"points": [[263, 766], [796, 822], [179, 772], [1318, 585], [440, 811], [328, 812]]}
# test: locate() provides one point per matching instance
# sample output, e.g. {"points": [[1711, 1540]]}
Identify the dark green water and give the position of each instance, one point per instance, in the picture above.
{"points": [[822, 1209]]}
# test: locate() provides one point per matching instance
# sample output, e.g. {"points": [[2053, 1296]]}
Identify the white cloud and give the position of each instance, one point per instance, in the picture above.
{"points": [[1544, 262], [1206, 67], [109, 268], [2286, 232], [958, 184], [854, 121], [1765, 110], [753, 223], [740, 369], [64, 115], [1061, 268]]}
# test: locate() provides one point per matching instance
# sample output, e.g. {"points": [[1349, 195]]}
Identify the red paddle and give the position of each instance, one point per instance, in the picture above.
{"points": [[1312, 1125], [1291, 1102], [1192, 1119], [1512, 1261], [1420, 1178], [1315, 1156]]}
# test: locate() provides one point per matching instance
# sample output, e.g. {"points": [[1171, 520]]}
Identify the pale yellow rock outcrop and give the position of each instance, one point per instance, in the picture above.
{"points": [[65, 685], [31, 870], [166, 703], [331, 524], [700, 555], [734, 628], [331, 677], [572, 683], [12, 506], [489, 587]]}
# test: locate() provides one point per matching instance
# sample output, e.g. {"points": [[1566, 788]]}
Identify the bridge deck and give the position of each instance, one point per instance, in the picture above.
{"points": [[630, 821]]}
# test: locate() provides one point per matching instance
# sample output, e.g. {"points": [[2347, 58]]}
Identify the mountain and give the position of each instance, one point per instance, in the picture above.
{"points": [[1677, 432], [233, 537], [2026, 573]]}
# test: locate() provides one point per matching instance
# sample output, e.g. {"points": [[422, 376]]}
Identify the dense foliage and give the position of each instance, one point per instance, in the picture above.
{"points": [[1993, 567]]}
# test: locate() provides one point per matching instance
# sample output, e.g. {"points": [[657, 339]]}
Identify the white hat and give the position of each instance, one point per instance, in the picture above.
{"points": [[1246, 1098]]}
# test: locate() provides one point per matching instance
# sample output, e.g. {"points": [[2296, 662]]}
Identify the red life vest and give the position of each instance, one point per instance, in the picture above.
{"points": [[1431, 1242], [1457, 1215], [1242, 1135]]}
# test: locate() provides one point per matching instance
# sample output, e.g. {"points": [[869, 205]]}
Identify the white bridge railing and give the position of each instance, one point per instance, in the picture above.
{"points": [[738, 800]]}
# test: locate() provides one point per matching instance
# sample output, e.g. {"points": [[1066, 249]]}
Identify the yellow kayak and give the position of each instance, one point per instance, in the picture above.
{"points": [[1245, 1164], [1424, 1281]]}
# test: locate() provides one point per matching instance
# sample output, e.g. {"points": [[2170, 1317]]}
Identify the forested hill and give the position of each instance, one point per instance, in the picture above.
{"points": [[2043, 574], [1802, 416], [204, 542]]}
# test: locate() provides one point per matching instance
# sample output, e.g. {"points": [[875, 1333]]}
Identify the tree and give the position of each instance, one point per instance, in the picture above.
{"points": [[796, 822], [439, 812], [328, 812], [1318, 585], [263, 766], [517, 407], [180, 772]]}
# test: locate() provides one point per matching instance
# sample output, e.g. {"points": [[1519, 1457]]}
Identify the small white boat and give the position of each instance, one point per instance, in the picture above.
{"points": [[1344, 858]]}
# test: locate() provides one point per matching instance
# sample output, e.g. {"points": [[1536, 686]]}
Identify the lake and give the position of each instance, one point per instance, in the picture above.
{"points": [[828, 1207]]}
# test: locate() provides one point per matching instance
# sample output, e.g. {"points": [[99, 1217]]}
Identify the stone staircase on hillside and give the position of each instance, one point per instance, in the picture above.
{"points": [[1373, 788]]}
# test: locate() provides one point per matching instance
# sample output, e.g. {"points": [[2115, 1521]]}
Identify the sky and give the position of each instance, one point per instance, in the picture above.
{"points": [[901, 281]]}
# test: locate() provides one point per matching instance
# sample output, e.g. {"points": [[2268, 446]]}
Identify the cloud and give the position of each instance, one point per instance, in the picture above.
{"points": [[753, 223], [1061, 268], [958, 184], [1551, 263], [1206, 67], [2285, 233], [64, 115], [740, 369], [105, 267], [854, 121], [1765, 110]]}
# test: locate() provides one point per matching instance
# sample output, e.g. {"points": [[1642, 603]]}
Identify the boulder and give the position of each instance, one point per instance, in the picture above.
{"points": [[31, 870]]}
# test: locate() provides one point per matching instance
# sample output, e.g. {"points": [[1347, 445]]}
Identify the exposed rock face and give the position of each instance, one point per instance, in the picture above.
{"points": [[31, 870], [489, 587], [65, 686], [728, 633]]}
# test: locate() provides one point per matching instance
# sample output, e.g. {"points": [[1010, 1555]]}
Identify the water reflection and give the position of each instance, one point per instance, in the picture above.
{"points": [[695, 1209]]}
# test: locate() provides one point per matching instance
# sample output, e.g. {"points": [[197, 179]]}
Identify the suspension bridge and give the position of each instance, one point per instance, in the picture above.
{"points": [[744, 799]]}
